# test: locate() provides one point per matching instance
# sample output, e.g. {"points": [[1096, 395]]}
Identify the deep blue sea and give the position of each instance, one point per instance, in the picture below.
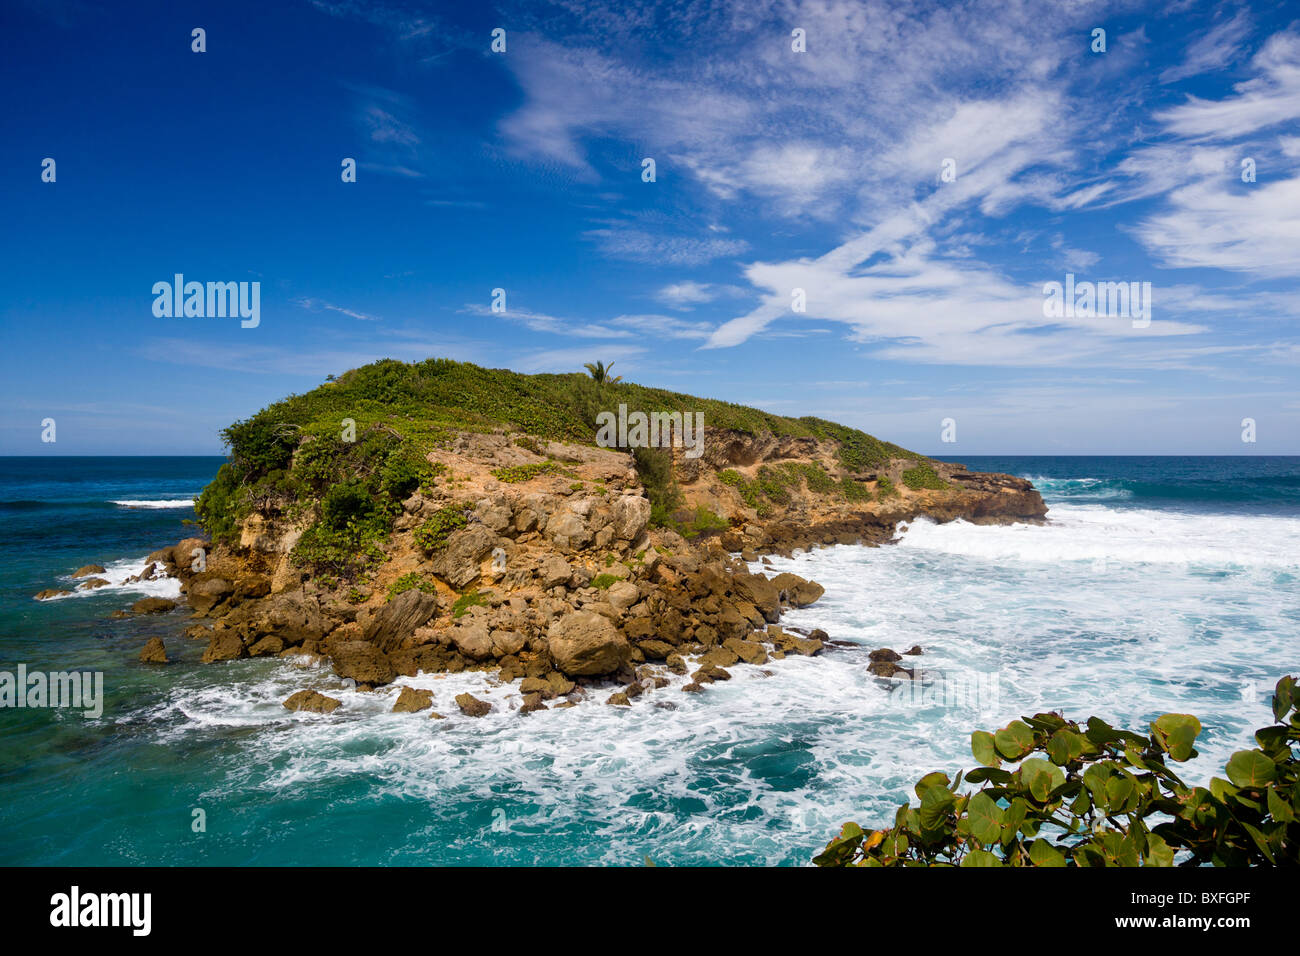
{"points": [[1158, 584]]}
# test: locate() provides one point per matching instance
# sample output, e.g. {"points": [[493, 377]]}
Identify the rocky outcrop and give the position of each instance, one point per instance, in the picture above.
{"points": [[154, 652]]}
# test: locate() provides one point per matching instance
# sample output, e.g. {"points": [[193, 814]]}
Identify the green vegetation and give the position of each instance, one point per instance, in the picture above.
{"points": [[512, 474], [468, 600], [432, 535], [604, 581], [1102, 797], [773, 484], [923, 476], [885, 488], [407, 582], [285, 459]]}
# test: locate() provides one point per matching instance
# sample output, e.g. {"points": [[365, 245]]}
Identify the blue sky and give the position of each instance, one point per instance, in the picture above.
{"points": [[775, 170]]}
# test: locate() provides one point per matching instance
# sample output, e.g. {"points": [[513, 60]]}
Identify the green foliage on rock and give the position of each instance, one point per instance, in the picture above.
{"points": [[411, 581], [468, 600], [513, 474], [923, 476], [605, 581], [432, 535], [1056, 793], [885, 487]]}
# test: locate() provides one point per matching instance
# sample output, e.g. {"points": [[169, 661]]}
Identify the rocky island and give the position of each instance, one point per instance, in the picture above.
{"points": [[439, 516]]}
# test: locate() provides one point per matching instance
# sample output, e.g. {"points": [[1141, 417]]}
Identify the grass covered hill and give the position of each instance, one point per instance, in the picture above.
{"points": [[295, 454]]}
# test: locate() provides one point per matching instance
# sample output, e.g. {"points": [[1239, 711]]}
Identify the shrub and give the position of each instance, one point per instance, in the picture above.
{"points": [[923, 476], [347, 502], [604, 581], [885, 488], [407, 582], [1097, 797], [433, 534]]}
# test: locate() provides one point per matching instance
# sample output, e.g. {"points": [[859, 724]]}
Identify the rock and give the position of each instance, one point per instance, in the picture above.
{"points": [[531, 704], [224, 646], [887, 669], [471, 706], [269, 646], [87, 570], [398, 619], [434, 715], [631, 513], [152, 605], [619, 699], [459, 563], [198, 632], [206, 594], [719, 657], [311, 702], [676, 663], [885, 654], [915, 651], [760, 592], [182, 553], [797, 591], [751, 652], [294, 617], [622, 595], [362, 662], [51, 593], [473, 639], [583, 643], [692, 687], [91, 584], [154, 652], [554, 571], [412, 700], [656, 650]]}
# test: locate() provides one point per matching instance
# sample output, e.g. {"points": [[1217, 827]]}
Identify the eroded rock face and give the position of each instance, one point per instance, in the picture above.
{"points": [[587, 644], [398, 619]]}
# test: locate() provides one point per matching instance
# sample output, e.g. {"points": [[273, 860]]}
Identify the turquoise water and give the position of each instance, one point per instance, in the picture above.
{"points": [[1159, 584]]}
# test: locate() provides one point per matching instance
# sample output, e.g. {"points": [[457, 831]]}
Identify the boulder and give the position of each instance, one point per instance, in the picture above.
{"points": [[152, 605], [554, 571], [583, 643], [87, 570], [51, 593], [311, 702], [471, 706], [631, 513], [656, 650], [459, 563], [399, 618], [885, 654], [412, 699], [761, 593], [622, 595], [269, 646], [361, 661], [154, 652], [224, 646], [532, 703], [473, 639], [91, 584], [797, 590], [206, 594]]}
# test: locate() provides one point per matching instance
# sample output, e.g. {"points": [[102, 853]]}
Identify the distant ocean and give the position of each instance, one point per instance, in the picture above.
{"points": [[1158, 584]]}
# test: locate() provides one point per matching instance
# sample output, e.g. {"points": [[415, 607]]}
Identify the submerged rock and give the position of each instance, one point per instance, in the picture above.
{"points": [[152, 605]]}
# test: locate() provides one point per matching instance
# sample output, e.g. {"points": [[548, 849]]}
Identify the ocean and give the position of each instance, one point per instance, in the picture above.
{"points": [[1158, 584]]}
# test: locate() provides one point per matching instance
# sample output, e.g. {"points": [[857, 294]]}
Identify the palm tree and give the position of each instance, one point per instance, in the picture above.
{"points": [[600, 372]]}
